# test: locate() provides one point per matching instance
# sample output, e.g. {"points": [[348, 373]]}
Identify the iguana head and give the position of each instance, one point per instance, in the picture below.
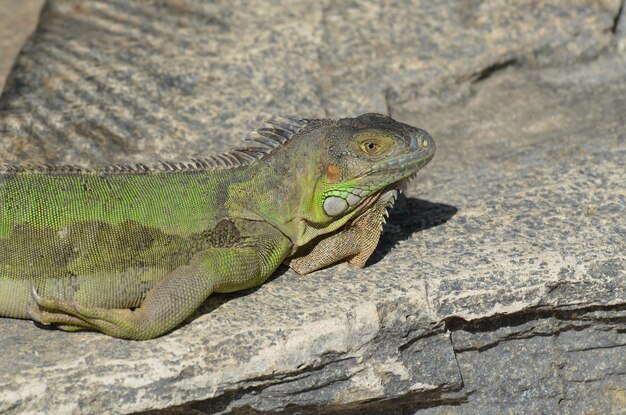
{"points": [[368, 156], [365, 161]]}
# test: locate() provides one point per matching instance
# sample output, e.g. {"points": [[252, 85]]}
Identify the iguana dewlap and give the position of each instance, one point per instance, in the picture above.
{"points": [[131, 251]]}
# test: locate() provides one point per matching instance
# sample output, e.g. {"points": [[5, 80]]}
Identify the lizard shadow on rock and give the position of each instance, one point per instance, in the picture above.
{"points": [[408, 216]]}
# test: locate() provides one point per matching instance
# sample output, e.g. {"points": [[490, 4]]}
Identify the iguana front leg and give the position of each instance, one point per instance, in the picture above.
{"points": [[180, 293], [355, 242]]}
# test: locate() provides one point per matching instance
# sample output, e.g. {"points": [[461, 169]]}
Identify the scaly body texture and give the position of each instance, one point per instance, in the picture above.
{"points": [[132, 251]]}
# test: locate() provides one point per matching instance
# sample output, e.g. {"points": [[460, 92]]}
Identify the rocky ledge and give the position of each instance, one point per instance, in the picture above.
{"points": [[500, 282]]}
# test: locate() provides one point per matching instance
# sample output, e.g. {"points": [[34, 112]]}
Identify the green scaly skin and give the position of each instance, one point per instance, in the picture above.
{"points": [[133, 251]]}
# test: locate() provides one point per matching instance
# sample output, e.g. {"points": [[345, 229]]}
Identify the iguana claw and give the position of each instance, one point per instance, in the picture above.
{"points": [[34, 315], [35, 294]]}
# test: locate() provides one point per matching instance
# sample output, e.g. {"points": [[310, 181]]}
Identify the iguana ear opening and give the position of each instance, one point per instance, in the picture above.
{"points": [[333, 173]]}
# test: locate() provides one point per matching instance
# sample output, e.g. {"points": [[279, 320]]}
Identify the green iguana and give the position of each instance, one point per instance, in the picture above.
{"points": [[132, 251]]}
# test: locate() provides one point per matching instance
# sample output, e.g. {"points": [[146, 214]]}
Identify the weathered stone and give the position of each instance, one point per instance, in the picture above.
{"points": [[18, 20], [620, 30], [117, 81], [500, 282]]}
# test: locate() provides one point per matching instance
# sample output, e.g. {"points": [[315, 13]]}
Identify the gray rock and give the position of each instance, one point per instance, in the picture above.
{"points": [[500, 281], [620, 30], [124, 81], [18, 20]]}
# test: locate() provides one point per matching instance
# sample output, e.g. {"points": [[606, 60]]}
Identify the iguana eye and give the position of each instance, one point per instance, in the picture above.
{"points": [[373, 143], [370, 148]]}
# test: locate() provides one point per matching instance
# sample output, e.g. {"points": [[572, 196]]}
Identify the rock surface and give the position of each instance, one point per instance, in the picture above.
{"points": [[500, 282], [117, 81], [18, 20]]}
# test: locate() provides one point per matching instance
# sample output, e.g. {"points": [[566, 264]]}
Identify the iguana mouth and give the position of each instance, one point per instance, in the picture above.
{"points": [[397, 173], [399, 166], [394, 171]]}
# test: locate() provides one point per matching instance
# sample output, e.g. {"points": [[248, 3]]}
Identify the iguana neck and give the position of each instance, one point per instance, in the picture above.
{"points": [[281, 188]]}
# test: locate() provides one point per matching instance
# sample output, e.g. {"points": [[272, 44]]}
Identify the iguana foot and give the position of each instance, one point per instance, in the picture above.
{"points": [[39, 312], [64, 321], [71, 316]]}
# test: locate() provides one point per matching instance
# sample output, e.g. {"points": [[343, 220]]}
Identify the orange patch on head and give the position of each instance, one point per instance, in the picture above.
{"points": [[333, 173]]}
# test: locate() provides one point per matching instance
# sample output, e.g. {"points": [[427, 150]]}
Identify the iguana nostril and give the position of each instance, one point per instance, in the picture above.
{"points": [[426, 141]]}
